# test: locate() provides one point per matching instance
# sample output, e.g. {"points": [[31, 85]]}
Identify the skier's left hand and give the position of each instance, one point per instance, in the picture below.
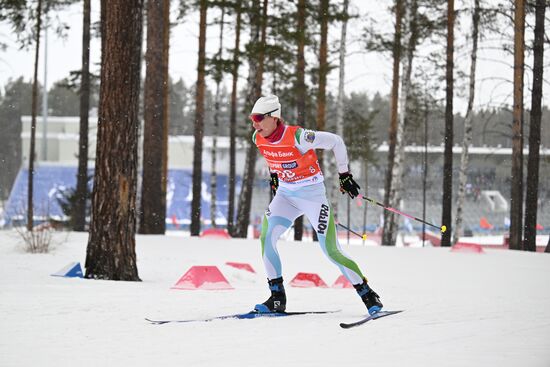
{"points": [[274, 183], [348, 185]]}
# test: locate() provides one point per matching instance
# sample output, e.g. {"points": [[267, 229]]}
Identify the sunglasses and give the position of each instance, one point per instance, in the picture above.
{"points": [[258, 117]]}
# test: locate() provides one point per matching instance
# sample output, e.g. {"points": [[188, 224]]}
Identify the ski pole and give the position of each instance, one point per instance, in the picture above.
{"points": [[443, 228], [364, 237]]}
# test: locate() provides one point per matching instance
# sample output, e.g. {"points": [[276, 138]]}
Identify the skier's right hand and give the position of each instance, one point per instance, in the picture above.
{"points": [[274, 183]]}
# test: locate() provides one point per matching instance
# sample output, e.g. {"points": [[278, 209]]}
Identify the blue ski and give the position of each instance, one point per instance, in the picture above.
{"points": [[247, 315], [377, 315]]}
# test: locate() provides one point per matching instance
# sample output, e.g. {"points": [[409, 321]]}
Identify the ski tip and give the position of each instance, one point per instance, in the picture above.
{"points": [[383, 313], [374, 316]]}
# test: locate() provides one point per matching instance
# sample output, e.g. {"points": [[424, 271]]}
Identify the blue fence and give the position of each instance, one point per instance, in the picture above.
{"points": [[51, 182]]}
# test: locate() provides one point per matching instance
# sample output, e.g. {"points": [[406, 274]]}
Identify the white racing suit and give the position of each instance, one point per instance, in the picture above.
{"points": [[306, 196]]}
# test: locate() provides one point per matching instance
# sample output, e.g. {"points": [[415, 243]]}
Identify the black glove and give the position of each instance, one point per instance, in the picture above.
{"points": [[348, 185], [274, 183]]}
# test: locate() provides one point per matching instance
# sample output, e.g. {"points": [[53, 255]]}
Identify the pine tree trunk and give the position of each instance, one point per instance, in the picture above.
{"points": [[167, 86], [233, 124], [79, 214], [199, 126], [342, 74], [256, 70], [425, 166], [301, 88], [446, 216], [323, 71], [213, 175], [111, 244], [335, 189], [103, 31], [467, 125], [153, 188], [301, 91], [531, 198], [245, 197], [386, 234], [366, 190], [32, 155], [397, 174], [516, 199]]}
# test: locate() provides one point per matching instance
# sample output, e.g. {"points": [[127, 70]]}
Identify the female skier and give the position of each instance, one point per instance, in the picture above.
{"points": [[297, 185]]}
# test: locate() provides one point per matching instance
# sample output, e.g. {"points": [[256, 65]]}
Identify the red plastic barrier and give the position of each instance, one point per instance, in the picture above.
{"points": [[468, 248], [202, 277], [215, 232], [308, 280], [434, 239], [242, 266], [342, 282]]}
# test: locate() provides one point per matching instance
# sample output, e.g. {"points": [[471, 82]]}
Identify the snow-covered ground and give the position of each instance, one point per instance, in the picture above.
{"points": [[461, 309]]}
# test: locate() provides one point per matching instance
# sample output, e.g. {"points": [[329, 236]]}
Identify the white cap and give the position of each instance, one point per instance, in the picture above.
{"points": [[266, 104]]}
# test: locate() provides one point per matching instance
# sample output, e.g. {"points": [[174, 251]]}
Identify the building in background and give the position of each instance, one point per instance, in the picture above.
{"points": [[487, 189]]}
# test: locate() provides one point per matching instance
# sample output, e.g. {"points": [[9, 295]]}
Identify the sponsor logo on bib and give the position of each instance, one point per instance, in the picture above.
{"points": [[289, 165]]}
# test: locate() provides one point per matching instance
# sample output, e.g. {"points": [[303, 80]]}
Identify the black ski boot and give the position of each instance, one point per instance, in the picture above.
{"points": [[277, 301], [369, 297]]}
